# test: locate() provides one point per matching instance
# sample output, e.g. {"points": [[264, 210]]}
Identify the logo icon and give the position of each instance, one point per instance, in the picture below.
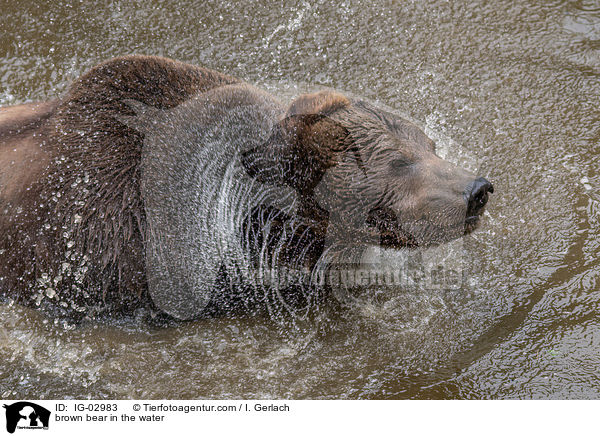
{"points": [[26, 415]]}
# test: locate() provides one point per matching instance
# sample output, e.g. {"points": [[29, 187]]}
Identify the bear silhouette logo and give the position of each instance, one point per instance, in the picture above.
{"points": [[24, 414]]}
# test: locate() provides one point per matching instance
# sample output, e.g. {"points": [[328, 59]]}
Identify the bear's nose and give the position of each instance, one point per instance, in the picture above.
{"points": [[476, 195]]}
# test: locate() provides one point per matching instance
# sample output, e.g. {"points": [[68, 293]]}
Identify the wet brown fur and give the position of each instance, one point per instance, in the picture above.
{"points": [[72, 220]]}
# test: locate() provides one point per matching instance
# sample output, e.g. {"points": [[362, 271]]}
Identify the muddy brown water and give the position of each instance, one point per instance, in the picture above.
{"points": [[516, 87]]}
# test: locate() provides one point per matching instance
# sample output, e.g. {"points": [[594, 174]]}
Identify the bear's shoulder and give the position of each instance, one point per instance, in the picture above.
{"points": [[87, 206], [87, 130]]}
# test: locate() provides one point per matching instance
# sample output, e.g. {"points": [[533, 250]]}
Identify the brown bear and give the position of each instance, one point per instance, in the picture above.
{"points": [[153, 183]]}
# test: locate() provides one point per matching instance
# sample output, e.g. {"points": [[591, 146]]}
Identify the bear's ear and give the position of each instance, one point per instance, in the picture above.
{"points": [[320, 103], [302, 145]]}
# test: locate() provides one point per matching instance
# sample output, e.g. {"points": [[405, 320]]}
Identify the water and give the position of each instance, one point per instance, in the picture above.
{"points": [[514, 84]]}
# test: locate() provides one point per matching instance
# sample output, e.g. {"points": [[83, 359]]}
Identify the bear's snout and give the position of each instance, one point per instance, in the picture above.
{"points": [[476, 195]]}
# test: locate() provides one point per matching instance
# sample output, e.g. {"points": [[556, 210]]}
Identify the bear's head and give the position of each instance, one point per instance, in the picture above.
{"points": [[373, 175]]}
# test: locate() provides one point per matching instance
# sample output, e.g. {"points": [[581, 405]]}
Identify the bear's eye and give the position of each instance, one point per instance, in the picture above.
{"points": [[400, 163]]}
